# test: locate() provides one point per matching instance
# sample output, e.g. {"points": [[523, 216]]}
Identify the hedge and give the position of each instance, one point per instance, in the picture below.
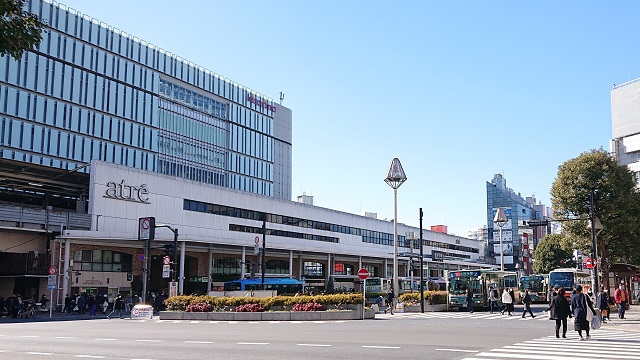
{"points": [[180, 303], [431, 297]]}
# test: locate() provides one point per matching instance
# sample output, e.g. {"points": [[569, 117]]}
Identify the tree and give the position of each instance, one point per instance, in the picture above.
{"points": [[19, 30], [616, 203], [551, 253]]}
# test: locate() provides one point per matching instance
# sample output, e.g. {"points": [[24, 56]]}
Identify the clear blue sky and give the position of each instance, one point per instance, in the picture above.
{"points": [[457, 90]]}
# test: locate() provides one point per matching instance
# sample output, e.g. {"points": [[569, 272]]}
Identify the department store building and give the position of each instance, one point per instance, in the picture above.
{"points": [[99, 128]]}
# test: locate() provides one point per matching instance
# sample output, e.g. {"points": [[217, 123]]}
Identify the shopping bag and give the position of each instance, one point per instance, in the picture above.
{"points": [[604, 312], [596, 323]]}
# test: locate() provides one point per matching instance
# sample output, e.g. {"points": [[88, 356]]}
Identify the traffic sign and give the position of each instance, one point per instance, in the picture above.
{"points": [[166, 260], [52, 270], [590, 263], [363, 273], [140, 257], [166, 269], [257, 240], [52, 282], [146, 228]]}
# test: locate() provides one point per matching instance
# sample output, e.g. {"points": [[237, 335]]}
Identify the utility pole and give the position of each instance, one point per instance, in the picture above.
{"points": [[264, 245], [421, 270], [594, 252]]}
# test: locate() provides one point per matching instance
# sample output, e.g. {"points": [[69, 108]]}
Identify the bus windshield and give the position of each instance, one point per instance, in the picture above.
{"points": [[460, 284], [561, 280], [533, 283]]}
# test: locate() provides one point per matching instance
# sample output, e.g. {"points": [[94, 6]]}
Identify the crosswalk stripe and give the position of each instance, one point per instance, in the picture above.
{"points": [[606, 344]]}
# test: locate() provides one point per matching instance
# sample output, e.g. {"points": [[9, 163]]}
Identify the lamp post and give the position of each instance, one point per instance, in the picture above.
{"points": [[501, 220], [594, 225], [395, 178]]}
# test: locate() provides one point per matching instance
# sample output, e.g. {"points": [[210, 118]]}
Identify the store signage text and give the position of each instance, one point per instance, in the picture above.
{"points": [[122, 191], [252, 99]]}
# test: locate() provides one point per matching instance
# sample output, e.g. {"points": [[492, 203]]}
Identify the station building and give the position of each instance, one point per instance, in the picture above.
{"points": [[99, 129]]}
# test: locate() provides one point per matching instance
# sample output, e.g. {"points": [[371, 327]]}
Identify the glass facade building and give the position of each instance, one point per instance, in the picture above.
{"points": [[89, 91]]}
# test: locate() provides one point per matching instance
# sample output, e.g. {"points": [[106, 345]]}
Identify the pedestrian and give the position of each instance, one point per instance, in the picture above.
{"points": [[105, 303], [82, 304], [526, 300], [582, 309], [469, 300], [493, 299], [92, 305], [507, 300], [389, 299], [559, 311], [553, 291], [117, 306], [67, 304], [602, 303], [621, 296]]}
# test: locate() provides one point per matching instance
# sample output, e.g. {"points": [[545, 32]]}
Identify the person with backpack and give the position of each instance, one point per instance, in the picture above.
{"points": [[118, 306], [507, 300]]}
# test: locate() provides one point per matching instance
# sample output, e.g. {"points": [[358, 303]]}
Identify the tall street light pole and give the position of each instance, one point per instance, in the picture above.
{"points": [[595, 225], [421, 270], [395, 178], [501, 220]]}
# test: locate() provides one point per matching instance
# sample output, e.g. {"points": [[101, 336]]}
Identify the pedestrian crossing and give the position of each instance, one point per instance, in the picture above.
{"points": [[466, 315], [603, 344]]}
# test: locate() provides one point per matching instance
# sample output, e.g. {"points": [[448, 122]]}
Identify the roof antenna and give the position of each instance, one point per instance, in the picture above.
{"points": [[281, 97]]}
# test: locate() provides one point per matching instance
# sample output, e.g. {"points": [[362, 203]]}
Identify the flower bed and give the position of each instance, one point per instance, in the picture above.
{"points": [[180, 303]]}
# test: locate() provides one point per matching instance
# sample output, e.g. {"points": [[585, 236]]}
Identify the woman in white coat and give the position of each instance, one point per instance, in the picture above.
{"points": [[507, 300]]}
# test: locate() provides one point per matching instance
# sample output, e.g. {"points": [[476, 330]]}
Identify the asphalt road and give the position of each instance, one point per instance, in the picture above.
{"points": [[406, 336]]}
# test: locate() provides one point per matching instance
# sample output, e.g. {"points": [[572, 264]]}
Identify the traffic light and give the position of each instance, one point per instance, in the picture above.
{"points": [[169, 249]]}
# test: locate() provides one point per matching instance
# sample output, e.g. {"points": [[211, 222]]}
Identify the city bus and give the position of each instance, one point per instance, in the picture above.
{"points": [[536, 285], [281, 285], [479, 281], [568, 278]]}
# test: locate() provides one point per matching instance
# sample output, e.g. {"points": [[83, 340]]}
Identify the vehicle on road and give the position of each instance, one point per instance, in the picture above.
{"points": [[479, 281], [281, 285], [536, 285], [568, 278]]}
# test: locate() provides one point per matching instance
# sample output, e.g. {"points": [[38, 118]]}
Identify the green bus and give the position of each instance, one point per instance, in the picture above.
{"points": [[479, 281]]}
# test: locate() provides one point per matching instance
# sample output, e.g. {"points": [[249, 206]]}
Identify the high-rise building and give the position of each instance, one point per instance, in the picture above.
{"points": [[625, 126], [517, 236]]}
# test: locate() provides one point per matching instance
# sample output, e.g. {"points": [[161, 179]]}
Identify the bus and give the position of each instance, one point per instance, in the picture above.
{"points": [[568, 278], [281, 285], [479, 281], [536, 285]]}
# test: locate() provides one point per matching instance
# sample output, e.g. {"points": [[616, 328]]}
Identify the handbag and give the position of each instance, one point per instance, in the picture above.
{"points": [[596, 323]]}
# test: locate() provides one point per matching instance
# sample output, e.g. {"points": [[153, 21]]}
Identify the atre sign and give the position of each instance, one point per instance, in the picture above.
{"points": [[122, 191]]}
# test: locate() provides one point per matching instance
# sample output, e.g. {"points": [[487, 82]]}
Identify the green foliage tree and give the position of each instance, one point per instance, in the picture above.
{"points": [[551, 253], [19, 30], [616, 203]]}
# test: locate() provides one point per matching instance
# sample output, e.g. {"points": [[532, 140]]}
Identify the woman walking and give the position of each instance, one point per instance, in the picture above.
{"points": [[560, 310], [602, 303], [581, 306], [469, 300], [507, 300]]}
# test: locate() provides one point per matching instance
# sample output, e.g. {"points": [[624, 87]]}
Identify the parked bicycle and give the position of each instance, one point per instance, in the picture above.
{"points": [[28, 310]]}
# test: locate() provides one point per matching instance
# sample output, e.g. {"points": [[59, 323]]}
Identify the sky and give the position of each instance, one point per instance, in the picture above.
{"points": [[457, 90]]}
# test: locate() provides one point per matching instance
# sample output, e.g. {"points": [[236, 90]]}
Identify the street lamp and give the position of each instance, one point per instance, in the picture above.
{"points": [[501, 220], [595, 226], [395, 178]]}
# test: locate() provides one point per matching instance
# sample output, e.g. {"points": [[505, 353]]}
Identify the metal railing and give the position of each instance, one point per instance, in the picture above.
{"points": [[19, 216]]}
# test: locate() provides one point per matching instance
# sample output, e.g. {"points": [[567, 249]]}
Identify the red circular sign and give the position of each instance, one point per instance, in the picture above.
{"points": [[257, 240], [363, 274], [145, 224], [590, 263], [52, 270]]}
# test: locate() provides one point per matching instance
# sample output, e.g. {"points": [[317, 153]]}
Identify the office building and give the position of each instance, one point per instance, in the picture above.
{"points": [[625, 126]]}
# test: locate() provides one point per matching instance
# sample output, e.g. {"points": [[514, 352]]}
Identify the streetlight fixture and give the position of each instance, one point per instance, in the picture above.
{"points": [[501, 220], [395, 178], [596, 227]]}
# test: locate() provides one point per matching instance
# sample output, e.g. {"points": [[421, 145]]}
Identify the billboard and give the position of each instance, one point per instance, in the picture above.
{"points": [[508, 260], [507, 248], [507, 236], [507, 212]]}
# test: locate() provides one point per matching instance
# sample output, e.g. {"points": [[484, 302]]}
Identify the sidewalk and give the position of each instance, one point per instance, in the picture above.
{"points": [[56, 316], [631, 321]]}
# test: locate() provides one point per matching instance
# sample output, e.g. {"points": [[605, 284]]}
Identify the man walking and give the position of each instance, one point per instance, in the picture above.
{"points": [[493, 299], [621, 296], [389, 300], [526, 300], [117, 306]]}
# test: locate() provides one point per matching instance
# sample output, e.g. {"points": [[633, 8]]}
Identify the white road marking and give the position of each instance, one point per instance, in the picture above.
{"points": [[380, 347], [28, 336], [144, 340], [319, 345], [104, 339], [195, 322], [458, 350], [248, 343], [63, 337], [90, 356], [38, 353]]}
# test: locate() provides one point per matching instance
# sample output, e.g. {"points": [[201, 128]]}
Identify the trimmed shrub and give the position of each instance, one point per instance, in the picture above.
{"points": [[199, 307], [250, 308], [307, 307]]}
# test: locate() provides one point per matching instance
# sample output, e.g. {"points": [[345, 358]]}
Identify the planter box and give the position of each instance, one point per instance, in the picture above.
{"points": [[201, 316], [220, 316], [171, 315], [276, 316], [305, 315], [247, 316]]}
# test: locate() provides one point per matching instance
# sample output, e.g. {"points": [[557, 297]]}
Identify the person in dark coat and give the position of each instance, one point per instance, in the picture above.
{"points": [[560, 310], [469, 300], [602, 303], [581, 304], [526, 300]]}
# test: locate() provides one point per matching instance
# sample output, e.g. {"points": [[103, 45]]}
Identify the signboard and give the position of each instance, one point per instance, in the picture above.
{"points": [[166, 270], [437, 255], [166, 260], [52, 281], [173, 288], [363, 273], [507, 225], [52, 270], [508, 259], [146, 228], [140, 257], [256, 249], [507, 236], [142, 312], [507, 248]]}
